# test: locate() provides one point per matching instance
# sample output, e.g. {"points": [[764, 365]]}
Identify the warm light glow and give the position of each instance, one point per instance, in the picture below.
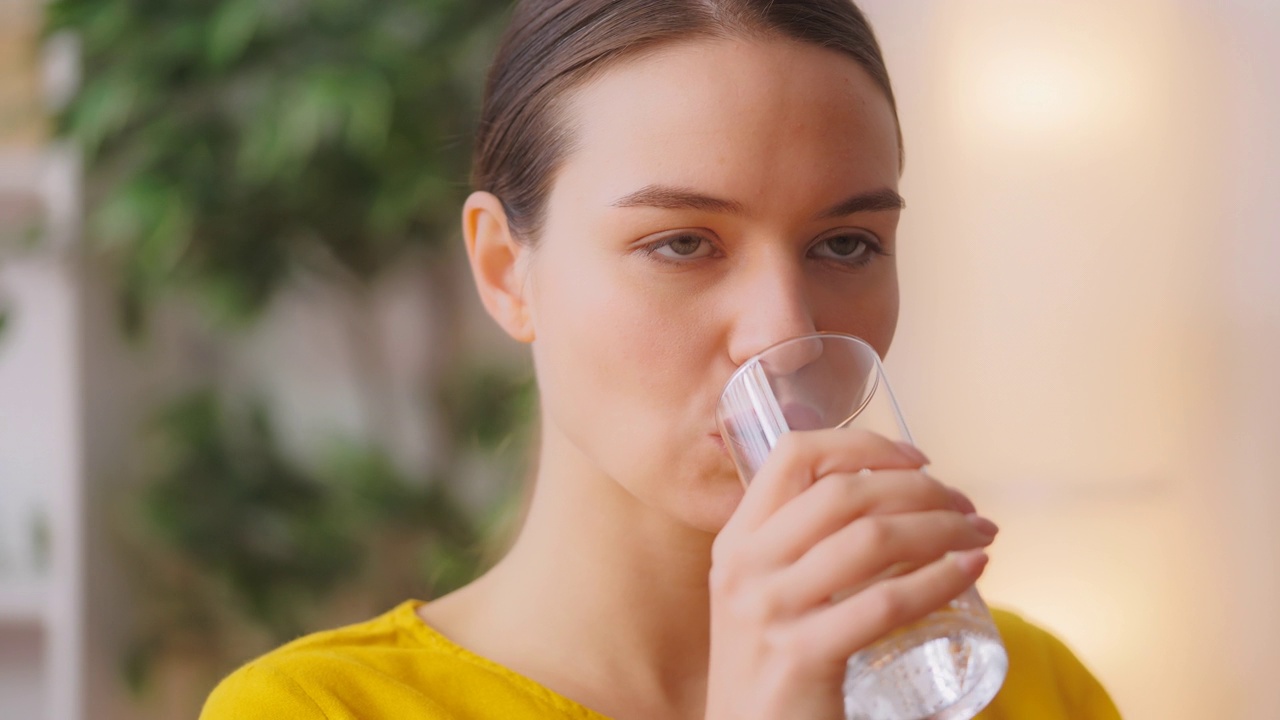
{"points": [[1048, 73], [1035, 92], [1050, 359]]}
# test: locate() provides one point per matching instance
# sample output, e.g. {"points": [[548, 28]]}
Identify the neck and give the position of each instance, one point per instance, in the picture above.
{"points": [[600, 597]]}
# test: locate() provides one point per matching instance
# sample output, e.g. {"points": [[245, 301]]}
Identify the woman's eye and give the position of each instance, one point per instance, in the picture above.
{"points": [[683, 247], [852, 248]]}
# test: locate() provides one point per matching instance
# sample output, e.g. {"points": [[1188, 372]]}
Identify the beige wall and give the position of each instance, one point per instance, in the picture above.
{"points": [[1246, 445], [1083, 345]]}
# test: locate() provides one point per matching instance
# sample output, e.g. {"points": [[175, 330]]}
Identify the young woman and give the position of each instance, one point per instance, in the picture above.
{"points": [[663, 189]]}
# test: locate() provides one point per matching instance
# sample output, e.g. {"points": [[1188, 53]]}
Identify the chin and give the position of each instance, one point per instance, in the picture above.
{"points": [[709, 503]]}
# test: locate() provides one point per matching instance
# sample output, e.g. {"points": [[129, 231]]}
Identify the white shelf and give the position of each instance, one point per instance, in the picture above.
{"points": [[22, 601]]}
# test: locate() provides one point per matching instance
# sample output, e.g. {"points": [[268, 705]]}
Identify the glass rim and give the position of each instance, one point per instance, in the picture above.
{"points": [[823, 335]]}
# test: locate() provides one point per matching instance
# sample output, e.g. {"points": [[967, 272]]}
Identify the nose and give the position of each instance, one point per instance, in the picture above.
{"points": [[772, 306]]}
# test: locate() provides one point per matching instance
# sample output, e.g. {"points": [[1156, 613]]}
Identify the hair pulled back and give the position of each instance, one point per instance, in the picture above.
{"points": [[553, 46]]}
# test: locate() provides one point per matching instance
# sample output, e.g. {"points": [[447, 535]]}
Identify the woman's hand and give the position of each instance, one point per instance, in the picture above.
{"points": [[841, 513]]}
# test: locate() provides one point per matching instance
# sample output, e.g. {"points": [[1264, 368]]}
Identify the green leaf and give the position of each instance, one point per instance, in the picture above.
{"points": [[233, 26], [102, 108], [158, 251], [228, 300], [487, 405], [315, 110], [103, 24], [260, 157], [151, 224], [370, 104], [129, 212], [138, 665]]}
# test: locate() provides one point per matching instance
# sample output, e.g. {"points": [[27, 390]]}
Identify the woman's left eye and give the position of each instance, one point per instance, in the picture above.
{"points": [[850, 248], [682, 247]]}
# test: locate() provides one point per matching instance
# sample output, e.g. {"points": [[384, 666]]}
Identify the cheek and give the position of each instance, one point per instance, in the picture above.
{"points": [[871, 313], [612, 347], [627, 373], [885, 324]]}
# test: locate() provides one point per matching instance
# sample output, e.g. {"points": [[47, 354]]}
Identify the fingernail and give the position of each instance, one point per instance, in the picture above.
{"points": [[961, 502], [982, 525], [971, 561], [912, 452]]}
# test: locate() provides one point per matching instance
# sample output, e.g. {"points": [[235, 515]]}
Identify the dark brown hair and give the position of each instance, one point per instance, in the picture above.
{"points": [[553, 46]]}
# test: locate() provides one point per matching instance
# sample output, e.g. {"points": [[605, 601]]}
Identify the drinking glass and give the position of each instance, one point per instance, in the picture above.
{"points": [[950, 664]]}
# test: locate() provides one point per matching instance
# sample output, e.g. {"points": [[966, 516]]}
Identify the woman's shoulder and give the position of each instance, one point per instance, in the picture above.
{"points": [[319, 675], [1046, 680], [394, 665]]}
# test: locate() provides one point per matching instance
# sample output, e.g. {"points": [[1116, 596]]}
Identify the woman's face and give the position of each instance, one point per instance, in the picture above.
{"points": [[719, 197]]}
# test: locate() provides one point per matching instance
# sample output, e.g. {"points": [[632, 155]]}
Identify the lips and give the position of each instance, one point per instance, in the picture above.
{"points": [[800, 416], [719, 441]]}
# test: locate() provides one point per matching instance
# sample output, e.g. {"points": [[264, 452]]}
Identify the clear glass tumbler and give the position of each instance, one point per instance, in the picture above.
{"points": [[947, 666]]}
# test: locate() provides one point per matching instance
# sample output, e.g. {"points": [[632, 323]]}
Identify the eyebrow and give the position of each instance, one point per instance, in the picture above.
{"points": [[677, 198], [873, 201]]}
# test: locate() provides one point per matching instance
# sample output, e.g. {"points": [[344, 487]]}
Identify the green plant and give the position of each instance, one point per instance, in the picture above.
{"points": [[232, 143], [233, 147], [254, 542]]}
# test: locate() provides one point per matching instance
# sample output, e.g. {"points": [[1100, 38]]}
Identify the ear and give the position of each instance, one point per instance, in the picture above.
{"points": [[497, 264]]}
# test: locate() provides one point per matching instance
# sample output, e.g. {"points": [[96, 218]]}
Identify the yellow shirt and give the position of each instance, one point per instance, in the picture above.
{"points": [[396, 666]]}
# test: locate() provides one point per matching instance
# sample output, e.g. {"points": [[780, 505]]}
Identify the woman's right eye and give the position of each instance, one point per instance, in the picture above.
{"points": [[681, 247]]}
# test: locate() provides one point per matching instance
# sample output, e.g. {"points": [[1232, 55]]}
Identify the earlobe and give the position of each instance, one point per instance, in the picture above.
{"points": [[497, 261]]}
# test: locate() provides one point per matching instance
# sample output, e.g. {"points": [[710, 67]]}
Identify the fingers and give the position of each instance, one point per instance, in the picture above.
{"points": [[801, 458], [839, 540], [872, 547], [836, 500], [852, 624], [961, 502]]}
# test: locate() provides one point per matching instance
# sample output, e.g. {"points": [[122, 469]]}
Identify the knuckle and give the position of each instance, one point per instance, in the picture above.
{"points": [[933, 485], [860, 436], [720, 580], [759, 605], [840, 491], [885, 608], [928, 487], [930, 492], [727, 569], [873, 444], [872, 534], [846, 495], [858, 491], [722, 547], [789, 647]]}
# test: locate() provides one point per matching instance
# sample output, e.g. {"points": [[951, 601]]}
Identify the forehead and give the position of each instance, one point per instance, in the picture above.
{"points": [[762, 121]]}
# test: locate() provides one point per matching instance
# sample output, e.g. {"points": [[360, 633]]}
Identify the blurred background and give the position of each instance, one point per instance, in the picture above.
{"points": [[246, 392]]}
